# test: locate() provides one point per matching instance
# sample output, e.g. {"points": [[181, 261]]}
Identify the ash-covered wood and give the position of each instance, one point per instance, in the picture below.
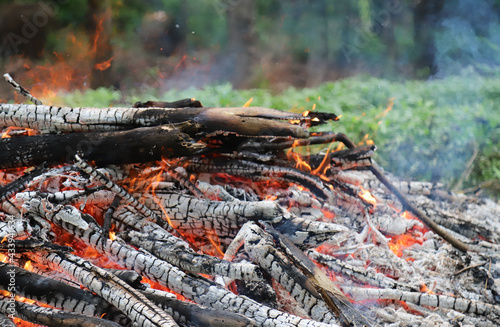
{"points": [[135, 305], [367, 232], [255, 121], [198, 289], [53, 292], [51, 317]]}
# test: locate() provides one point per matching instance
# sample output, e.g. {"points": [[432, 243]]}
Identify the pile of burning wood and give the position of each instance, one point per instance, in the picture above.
{"points": [[170, 214]]}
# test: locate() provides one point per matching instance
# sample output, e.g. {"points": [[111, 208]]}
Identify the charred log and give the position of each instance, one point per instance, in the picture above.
{"points": [[137, 145], [54, 292], [51, 317], [248, 121]]}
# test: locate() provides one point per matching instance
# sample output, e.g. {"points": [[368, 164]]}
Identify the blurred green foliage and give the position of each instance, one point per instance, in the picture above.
{"points": [[431, 133], [342, 38]]}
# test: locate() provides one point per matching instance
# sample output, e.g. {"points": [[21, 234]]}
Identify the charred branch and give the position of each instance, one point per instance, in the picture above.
{"points": [[185, 258], [51, 317], [128, 300], [119, 147], [184, 103], [20, 184], [198, 289], [54, 292]]}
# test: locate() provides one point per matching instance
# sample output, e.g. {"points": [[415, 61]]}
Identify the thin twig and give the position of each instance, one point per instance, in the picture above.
{"points": [[469, 267], [25, 93]]}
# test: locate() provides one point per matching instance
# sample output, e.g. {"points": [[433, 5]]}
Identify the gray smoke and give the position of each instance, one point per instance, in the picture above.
{"points": [[468, 37]]}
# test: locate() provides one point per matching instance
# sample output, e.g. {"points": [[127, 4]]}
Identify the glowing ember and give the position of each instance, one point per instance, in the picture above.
{"points": [[325, 164], [18, 131], [400, 242], [408, 215]]}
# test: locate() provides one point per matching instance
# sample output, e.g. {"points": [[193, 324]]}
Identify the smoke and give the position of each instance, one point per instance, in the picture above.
{"points": [[467, 37]]}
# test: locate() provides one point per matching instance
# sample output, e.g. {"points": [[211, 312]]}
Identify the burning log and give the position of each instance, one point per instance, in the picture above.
{"points": [[186, 259], [303, 288], [14, 227], [200, 290], [431, 300], [51, 317], [6, 321], [360, 274], [251, 169], [230, 176], [135, 305], [54, 292], [249, 121]]}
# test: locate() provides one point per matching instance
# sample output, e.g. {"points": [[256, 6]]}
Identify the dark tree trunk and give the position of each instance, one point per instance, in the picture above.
{"points": [[241, 15]]}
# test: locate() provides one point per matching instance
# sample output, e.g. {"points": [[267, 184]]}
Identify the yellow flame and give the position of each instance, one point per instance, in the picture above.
{"points": [[28, 265], [425, 289], [386, 111], [367, 196], [247, 104]]}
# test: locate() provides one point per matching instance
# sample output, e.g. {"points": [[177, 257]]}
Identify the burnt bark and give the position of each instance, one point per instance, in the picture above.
{"points": [[53, 292], [120, 147], [53, 317]]}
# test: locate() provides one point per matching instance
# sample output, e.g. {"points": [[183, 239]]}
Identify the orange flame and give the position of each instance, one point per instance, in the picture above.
{"points": [[401, 242], [10, 131], [97, 34], [386, 111], [247, 104], [28, 265], [104, 65], [425, 289], [367, 196], [300, 163], [366, 140], [325, 163]]}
